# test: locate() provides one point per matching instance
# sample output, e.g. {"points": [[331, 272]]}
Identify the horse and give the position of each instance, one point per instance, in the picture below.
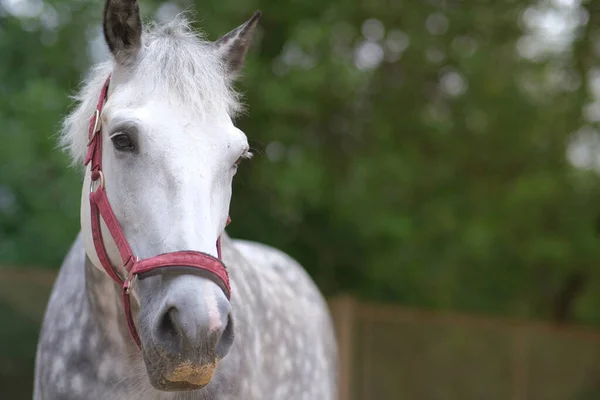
{"points": [[154, 300]]}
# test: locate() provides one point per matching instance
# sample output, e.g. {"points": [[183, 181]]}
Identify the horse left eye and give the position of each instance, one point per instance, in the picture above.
{"points": [[246, 155]]}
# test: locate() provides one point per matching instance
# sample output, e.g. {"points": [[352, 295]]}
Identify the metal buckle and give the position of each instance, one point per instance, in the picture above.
{"points": [[101, 186], [97, 126], [130, 282], [131, 278]]}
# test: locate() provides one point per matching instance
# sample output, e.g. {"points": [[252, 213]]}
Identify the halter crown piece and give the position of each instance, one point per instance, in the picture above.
{"points": [[100, 207]]}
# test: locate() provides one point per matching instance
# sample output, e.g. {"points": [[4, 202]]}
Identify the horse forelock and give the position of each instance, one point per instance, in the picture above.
{"points": [[175, 58]]}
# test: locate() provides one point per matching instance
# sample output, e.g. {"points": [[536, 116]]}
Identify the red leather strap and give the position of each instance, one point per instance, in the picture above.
{"points": [[100, 200], [100, 207], [219, 239], [99, 243], [94, 152], [129, 314], [186, 259], [219, 247]]}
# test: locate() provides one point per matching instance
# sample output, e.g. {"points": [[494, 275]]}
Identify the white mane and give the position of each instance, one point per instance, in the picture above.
{"points": [[174, 57]]}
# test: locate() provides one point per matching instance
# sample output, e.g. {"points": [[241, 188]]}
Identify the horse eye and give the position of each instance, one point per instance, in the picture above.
{"points": [[123, 142], [246, 155]]}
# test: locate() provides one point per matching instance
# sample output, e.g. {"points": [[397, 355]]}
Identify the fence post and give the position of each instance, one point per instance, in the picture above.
{"points": [[343, 309]]}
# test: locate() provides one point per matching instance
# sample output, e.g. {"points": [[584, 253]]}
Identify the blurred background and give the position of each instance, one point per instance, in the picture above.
{"points": [[433, 164]]}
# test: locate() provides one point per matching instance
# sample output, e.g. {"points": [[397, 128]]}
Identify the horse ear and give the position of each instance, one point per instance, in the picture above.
{"points": [[233, 46], [122, 27]]}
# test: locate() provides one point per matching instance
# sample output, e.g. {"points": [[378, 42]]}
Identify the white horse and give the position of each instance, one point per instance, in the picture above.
{"points": [[143, 306]]}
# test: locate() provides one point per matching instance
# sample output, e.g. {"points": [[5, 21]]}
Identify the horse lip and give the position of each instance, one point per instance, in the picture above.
{"points": [[194, 374]]}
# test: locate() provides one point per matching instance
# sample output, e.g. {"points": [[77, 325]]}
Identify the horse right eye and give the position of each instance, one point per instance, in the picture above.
{"points": [[123, 142]]}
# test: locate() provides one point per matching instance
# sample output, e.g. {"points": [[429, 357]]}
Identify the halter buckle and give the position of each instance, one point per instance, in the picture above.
{"points": [[130, 282], [97, 126], [131, 276]]}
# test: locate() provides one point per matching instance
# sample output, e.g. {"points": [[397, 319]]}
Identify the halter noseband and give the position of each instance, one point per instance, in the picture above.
{"points": [[100, 207]]}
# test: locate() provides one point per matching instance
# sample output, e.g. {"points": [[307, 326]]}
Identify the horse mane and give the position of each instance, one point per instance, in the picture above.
{"points": [[174, 57]]}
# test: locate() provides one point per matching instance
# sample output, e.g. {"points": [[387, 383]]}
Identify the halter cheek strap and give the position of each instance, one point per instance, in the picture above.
{"points": [[100, 208]]}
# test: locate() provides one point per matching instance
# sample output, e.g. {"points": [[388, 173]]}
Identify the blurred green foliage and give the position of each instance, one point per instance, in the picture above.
{"points": [[413, 152]]}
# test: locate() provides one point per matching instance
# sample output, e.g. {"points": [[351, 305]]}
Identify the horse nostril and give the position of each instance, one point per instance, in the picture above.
{"points": [[226, 339], [169, 326]]}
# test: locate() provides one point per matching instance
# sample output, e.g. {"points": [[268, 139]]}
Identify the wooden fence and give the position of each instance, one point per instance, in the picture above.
{"points": [[394, 353]]}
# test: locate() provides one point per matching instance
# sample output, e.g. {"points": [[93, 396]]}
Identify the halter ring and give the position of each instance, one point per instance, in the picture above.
{"points": [[101, 186]]}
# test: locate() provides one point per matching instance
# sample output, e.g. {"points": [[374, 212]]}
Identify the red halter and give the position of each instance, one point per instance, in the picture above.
{"points": [[100, 207]]}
